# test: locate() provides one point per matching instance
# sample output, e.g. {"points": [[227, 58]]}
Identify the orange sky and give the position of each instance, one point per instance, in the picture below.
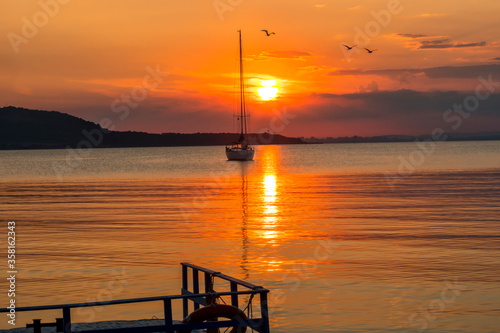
{"points": [[88, 58]]}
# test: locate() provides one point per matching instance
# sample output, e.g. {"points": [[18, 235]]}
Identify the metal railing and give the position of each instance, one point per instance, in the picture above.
{"points": [[258, 324]]}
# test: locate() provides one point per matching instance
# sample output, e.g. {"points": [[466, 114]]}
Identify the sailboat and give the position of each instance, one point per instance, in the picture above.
{"points": [[240, 150]]}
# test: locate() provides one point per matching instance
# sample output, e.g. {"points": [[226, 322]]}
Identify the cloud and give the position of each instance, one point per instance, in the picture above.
{"points": [[370, 87], [435, 42], [462, 72], [381, 104], [443, 72], [497, 59], [297, 55], [401, 75], [313, 69], [413, 36], [404, 111], [378, 104], [446, 44], [383, 72]]}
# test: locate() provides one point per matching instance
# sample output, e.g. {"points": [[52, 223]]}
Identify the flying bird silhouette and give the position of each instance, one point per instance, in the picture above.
{"points": [[370, 51], [350, 47], [268, 33]]}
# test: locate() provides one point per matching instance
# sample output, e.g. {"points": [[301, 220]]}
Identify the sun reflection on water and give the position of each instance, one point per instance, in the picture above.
{"points": [[270, 188], [270, 212]]}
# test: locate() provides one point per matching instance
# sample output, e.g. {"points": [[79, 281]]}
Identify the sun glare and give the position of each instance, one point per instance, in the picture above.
{"points": [[270, 188], [267, 90]]}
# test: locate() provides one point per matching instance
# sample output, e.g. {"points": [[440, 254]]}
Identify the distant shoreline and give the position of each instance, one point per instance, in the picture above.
{"points": [[221, 145], [413, 139], [22, 129], [25, 129], [37, 146], [120, 147]]}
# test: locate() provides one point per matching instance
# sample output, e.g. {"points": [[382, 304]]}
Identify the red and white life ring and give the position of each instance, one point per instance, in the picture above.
{"points": [[214, 311]]}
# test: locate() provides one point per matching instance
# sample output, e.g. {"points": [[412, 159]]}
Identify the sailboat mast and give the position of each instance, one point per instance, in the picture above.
{"points": [[240, 150], [242, 93]]}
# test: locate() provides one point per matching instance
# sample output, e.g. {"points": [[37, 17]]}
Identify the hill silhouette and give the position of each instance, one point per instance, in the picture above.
{"points": [[22, 128]]}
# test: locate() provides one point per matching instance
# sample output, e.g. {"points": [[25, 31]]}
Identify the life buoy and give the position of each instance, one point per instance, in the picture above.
{"points": [[214, 311]]}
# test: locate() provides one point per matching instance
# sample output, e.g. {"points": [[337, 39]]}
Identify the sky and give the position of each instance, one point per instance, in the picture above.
{"points": [[172, 65]]}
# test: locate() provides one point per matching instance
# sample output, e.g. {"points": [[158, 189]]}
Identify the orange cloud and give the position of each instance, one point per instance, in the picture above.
{"points": [[297, 55]]}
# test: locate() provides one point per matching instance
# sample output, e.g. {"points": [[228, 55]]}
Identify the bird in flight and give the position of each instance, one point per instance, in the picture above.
{"points": [[268, 33], [370, 51], [350, 47]]}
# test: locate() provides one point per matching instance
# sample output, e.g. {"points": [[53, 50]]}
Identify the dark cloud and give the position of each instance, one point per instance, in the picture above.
{"points": [[401, 75], [446, 44], [412, 35], [435, 41], [384, 112], [383, 72], [405, 111], [443, 72], [462, 72], [370, 87], [497, 58], [370, 112], [432, 42], [389, 103]]}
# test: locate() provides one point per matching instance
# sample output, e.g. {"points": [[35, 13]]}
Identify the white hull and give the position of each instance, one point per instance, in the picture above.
{"points": [[237, 154]]}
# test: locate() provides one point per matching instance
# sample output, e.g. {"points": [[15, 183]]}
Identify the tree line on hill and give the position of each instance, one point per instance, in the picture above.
{"points": [[34, 129]]}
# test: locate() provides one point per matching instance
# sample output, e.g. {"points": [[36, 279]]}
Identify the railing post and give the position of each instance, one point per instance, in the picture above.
{"points": [[264, 313], [67, 320], [208, 288], [234, 298], [167, 310], [208, 281], [185, 308], [196, 287], [59, 325], [37, 325]]}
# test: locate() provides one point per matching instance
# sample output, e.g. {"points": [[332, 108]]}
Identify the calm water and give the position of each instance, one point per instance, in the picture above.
{"points": [[349, 238]]}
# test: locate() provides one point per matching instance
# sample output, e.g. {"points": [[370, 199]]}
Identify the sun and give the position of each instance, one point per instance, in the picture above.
{"points": [[268, 90]]}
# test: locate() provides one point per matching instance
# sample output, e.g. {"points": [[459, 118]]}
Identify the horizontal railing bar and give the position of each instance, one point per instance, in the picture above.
{"points": [[254, 323], [132, 300], [140, 329], [220, 275], [215, 324], [195, 298]]}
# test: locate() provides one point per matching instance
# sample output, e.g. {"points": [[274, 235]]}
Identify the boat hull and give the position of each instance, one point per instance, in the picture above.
{"points": [[240, 154]]}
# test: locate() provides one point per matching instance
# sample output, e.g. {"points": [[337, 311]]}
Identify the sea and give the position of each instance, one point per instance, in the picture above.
{"points": [[367, 237]]}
